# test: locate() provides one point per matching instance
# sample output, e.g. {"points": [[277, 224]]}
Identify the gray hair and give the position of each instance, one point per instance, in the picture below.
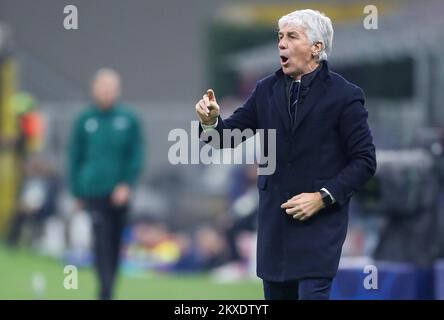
{"points": [[317, 25]]}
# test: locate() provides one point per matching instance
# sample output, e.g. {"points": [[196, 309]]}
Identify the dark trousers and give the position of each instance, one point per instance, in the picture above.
{"points": [[108, 222], [304, 289]]}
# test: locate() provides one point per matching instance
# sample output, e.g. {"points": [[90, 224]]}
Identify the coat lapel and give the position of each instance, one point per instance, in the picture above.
{"points": [[308, 103], [310, 95], [279, 103]]}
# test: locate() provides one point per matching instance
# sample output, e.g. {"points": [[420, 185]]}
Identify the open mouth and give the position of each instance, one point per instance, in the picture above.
{"points": [[284, 59]]}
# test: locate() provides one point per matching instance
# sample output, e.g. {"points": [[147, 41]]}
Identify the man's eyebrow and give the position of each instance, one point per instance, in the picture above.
{"points": [[290, 33]]}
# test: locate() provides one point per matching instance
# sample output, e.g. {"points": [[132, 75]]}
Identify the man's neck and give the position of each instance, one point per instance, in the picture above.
{"points": [[310, 68]]}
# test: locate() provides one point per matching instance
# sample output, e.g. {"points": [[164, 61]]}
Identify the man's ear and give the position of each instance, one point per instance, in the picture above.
{"points": [[317, 47]]}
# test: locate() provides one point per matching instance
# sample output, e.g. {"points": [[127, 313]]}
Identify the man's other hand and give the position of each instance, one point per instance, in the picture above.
{"points": [[207, 108], [304, 205]]}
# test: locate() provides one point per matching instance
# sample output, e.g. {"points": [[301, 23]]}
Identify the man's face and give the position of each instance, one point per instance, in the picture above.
{"points": [[106, 90], [295, 50]]}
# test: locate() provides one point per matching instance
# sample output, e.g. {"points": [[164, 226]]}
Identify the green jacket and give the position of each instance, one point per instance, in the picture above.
{"points": [[105, 149]]}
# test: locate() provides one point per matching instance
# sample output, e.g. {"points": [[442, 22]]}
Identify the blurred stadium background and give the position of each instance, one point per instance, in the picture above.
{"points": [[187, 220]]}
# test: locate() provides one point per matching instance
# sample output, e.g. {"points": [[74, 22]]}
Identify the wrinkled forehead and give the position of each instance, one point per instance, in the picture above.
{"points": [[292, 27]]}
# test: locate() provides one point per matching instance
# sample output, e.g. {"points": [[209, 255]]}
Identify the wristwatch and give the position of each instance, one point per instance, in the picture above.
{"points": [[326, 198]]}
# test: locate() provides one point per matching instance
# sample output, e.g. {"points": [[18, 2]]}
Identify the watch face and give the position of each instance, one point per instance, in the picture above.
{"points": [[326, 198]]}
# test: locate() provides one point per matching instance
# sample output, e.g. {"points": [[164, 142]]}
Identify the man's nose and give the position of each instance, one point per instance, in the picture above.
{"points": [[282, 44]]}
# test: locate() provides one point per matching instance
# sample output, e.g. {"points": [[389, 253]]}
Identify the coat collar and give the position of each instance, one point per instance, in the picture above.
{"points": [[311, 89], [306, 79], [323, 70]]}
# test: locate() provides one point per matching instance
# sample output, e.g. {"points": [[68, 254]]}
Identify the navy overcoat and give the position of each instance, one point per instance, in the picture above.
{"points": [[330, 146]]}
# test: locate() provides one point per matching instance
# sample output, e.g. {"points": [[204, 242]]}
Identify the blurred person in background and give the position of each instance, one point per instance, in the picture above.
{"points": [[37, 179], [105, 159], [37, 200], [211, 247], [151, 245], [31, 127], [324, 154], [243, 216]]}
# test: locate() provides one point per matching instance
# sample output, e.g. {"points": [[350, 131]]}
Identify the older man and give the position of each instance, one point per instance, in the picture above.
{"points": [[324, 153], [105, 158]]}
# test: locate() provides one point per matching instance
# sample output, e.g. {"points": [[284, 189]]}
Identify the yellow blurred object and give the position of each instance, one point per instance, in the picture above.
{"points": [[9, 167], [23, 102], [167, 251], [268, 14]]}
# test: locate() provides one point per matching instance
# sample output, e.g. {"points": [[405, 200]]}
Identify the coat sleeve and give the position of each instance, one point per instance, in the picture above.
{"points": [[357, 141], [243, 118]]}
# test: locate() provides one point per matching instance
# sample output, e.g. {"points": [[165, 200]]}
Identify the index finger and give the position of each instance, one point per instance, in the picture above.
{"points": [[210, 94]]}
